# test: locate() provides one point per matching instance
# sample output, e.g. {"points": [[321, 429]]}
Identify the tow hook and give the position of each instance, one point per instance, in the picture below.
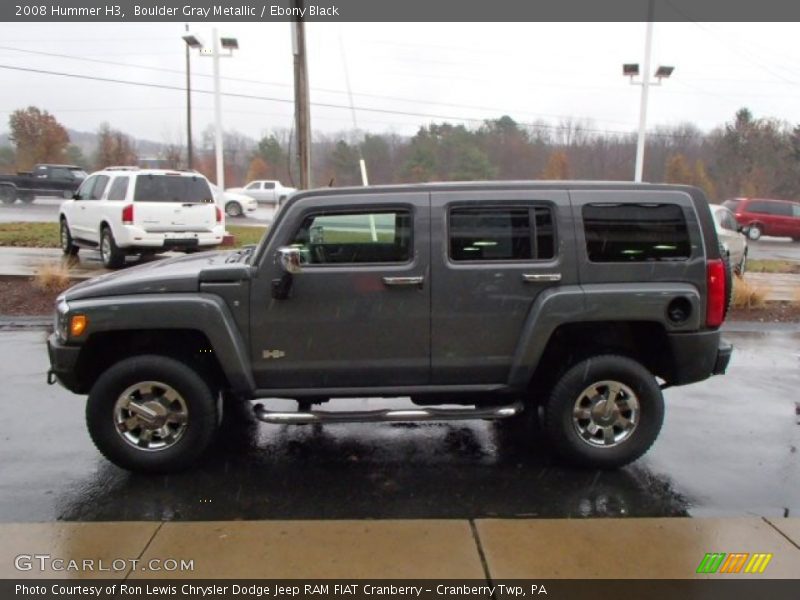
{"points": [[51, 377]]}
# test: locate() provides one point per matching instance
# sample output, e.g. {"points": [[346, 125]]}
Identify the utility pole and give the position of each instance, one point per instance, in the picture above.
{"points": [[301, 101], [188, 108]]}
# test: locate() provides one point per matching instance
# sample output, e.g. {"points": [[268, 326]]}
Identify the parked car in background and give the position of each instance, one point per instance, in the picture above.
{"points": [[127, 210], [234, 205], [765, 216], [59, 181], [730, 235], [265, 191]]}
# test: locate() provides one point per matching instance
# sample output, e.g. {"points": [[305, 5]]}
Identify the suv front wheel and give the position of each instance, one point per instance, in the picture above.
{"points": [[151, 414], [604, 412]]}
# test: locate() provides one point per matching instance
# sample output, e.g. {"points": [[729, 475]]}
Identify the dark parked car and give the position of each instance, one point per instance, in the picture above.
{"points": [[764, 216], [477, 301], [60, 181]]}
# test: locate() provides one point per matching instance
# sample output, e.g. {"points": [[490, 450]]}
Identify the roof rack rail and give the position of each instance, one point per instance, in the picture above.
{"points": [[122, 168]]}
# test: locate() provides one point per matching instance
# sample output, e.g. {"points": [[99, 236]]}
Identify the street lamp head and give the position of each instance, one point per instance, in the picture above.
{"points": [[664, 72], [229, 43], [630, 69], [192, 40]]}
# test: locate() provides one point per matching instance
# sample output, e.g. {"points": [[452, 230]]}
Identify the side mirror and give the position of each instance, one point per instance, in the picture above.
{"points": [[76, 196], [740, 229], [290, 259]]}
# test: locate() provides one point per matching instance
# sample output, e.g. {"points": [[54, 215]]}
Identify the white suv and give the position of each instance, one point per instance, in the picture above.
{"points": [[127, 210]]}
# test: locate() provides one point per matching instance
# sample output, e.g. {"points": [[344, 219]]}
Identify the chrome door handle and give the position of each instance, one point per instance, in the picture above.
{"points": [[539, 277], [403, 281]]}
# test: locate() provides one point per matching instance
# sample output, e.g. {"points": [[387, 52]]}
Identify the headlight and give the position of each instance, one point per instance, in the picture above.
{"points": [[62, 323]]}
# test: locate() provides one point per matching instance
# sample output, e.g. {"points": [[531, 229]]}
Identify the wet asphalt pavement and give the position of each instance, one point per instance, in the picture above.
{"points": [[728, 447]]}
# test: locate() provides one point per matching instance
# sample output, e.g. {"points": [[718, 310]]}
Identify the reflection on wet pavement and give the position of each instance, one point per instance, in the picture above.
{"points": [[726, 448]]}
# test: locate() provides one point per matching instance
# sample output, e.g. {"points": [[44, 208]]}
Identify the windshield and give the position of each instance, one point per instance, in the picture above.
{"points": [[172, 188]]}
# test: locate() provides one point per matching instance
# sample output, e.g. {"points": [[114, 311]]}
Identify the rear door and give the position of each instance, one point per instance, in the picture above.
{"points": [[173, 203], [85, 222], [496, 252]]}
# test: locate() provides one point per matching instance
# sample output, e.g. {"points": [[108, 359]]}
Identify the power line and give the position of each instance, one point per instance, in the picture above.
{"points": [[317, 104], [287, 85]]}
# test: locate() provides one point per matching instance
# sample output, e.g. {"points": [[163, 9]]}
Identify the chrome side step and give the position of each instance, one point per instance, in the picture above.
{"points": [[387, 415]]}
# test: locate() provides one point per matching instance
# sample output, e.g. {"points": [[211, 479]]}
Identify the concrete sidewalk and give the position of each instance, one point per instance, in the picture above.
{"points": [[493, 549]]}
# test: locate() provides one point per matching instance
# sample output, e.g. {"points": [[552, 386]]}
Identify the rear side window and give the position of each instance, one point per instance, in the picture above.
{"points": [[356, 237], [119, 188], [635, 232], [512, 233], [172, 188]]}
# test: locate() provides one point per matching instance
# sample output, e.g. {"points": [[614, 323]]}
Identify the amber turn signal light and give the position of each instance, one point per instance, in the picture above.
{"points": [[77, 325]]}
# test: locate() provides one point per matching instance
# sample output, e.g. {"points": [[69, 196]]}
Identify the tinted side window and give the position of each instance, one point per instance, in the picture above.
{"points": [[268, 185], [119, 189], [781, 209], [759, 206], [635, 232], [355, 237], [99, 187], [519, 233], [796, 210]]}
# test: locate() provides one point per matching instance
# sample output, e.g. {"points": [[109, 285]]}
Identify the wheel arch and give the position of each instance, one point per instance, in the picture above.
{"points": [[198, 330]]}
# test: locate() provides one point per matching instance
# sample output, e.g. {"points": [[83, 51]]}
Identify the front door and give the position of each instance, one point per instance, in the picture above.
{"points": [[359, 313]]}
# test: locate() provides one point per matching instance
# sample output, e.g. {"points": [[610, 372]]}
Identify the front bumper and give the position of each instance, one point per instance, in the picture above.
{"points": [[698, 356], [63, 364]]}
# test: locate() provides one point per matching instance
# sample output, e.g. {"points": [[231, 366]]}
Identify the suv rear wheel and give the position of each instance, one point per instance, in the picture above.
{"points": [[604, 412], [113, 257], [152, 414], [755, 231]]}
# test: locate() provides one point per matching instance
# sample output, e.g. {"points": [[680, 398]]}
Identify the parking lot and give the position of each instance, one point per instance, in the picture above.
{"points": [[728, 448]]}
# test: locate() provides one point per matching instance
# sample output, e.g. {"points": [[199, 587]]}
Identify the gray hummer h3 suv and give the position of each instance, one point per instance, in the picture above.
{"points": [[563, 305]]}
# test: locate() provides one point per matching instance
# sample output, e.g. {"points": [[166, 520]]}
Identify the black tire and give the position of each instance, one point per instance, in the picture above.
{"points": [[8, 195], [233, 209], [755, 231], [27, 198], [67, 246], [562, 429], [201, 410], [112, 256]]}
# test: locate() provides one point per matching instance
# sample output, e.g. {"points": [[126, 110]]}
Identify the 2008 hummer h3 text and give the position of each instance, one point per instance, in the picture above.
{"points": [[573, 302]]}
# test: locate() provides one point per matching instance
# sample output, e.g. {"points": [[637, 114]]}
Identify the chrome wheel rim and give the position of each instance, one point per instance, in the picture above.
{"points": [[151, 416], [63, 236], [232, 209], [606, 414]]}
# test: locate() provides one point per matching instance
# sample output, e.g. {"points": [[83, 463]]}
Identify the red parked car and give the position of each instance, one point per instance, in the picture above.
{"points": [[764, 216]]}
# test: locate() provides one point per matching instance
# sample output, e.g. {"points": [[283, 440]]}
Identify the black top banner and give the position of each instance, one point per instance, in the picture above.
{"points": [[399, 10]]}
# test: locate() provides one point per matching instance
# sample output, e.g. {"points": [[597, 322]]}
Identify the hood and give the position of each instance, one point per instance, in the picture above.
{"points": [[172, 275]]}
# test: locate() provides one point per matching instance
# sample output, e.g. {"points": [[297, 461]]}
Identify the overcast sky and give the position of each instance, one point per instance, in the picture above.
{"points": [[461, 72]]}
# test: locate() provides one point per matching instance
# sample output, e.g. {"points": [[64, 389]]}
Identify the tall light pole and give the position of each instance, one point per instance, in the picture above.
{"points": [[218, 44], [632, 70], [188, 105], [648, 45]]}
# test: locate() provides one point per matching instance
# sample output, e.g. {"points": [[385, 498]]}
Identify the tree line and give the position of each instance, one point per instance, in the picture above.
{"points": [[746, 156]]}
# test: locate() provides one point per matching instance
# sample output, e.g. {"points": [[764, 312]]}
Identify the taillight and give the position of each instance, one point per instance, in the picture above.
{"points": [[127, 214], [219, 214], [715, 307]]}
